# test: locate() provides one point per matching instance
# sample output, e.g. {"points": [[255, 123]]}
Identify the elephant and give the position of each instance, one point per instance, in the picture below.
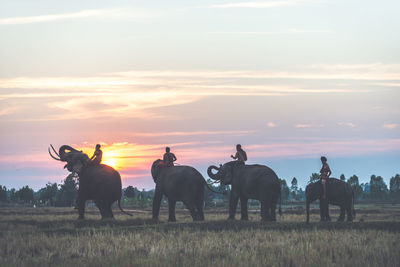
{"points": [[98, 182], [337, 193], [178, 183], [249, 181]]}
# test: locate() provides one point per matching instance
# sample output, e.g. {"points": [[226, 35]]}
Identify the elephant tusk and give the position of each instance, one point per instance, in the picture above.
{"points": [[53, 156], [55, 151]]}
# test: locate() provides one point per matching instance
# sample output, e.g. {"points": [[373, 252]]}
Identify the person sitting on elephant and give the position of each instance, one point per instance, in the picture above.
{"points": [[168, 158], [240, 156], [325, 173], [97, 156]]}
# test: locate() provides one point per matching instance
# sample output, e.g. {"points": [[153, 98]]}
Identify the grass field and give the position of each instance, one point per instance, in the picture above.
{"points": [[53, 237]]}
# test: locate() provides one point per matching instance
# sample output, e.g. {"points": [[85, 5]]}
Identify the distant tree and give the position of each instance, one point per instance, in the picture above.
{"points": [[25, 194], [315, 177], [3, 194], [301, 195], [355, 185], [68, 191], [48, 194], [395, 187], [294, 188], [284, 190], [130, 192], [365, 189], [342, 178], [208, 195], [378, 188], [13, 195], [225, 190]]}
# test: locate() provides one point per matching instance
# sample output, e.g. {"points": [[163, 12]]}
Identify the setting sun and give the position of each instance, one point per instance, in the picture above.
{"points": [[111, 162]]}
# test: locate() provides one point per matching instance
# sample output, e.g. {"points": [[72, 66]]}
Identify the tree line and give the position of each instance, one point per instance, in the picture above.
{"points": [[64, 194]]}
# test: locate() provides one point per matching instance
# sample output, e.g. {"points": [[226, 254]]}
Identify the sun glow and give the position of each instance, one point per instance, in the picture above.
{"points": [[112, 162], [122, 156]]}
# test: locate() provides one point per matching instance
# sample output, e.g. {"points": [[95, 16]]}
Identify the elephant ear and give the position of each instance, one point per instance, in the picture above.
{"points": [[155, 169], [77, 162], [227, 174]]}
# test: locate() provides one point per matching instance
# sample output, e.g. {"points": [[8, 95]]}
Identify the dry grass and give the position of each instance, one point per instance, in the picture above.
{"points": [[50, 236]]}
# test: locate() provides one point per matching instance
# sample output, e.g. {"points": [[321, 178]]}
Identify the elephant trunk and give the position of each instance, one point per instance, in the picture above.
{"points": [[211, 174]]}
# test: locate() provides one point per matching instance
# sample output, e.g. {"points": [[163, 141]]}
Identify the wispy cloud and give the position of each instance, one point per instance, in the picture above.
{"points": [[290, 31], [390, 126], [116, 13], [307, 125], [272, 125], [348, 124], [329, 147], [8, 110], [260, 4], [138, 94], [193, 133]]}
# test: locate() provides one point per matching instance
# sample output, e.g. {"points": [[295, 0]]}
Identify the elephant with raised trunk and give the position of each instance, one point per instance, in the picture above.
{"points": [[337, 193], [249, 182], [178, 183], [97, 182]]}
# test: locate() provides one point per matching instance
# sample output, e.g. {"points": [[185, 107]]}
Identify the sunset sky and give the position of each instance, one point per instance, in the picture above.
{"points": [[290, 80]]}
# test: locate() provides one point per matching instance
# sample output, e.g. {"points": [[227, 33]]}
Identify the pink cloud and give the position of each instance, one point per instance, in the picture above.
{"points": [[307, 125], [272, 125], [348, 124], [390, 125]]}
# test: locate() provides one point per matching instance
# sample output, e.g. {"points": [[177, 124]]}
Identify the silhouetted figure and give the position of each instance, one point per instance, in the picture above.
{"points": [[325, 173], [97, 156], [240, 155], [168, 158]]}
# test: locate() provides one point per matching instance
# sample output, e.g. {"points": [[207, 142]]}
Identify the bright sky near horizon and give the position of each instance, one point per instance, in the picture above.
{"points": [[290, 80]]}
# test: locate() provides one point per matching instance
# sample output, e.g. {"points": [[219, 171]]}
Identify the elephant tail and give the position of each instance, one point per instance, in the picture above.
{"points": [[119, 206], [212, 190]]}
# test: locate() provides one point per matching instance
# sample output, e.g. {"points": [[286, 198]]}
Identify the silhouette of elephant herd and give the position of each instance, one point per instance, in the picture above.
{"points": [[102, 184]]}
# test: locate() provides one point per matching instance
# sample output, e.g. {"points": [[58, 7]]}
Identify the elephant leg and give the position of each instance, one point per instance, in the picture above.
{"points": [[328, 218], [109, 213], [190, 206], [157, 203], [171, 210], [233, 200], [342, 214], [323, 208], [200, 213], [80, 204], [349, 211], [273, 212], [100, 206], [243, 209], [265, 216], [105, 209]]}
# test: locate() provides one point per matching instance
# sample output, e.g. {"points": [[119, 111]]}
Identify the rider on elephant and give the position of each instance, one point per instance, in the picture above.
{"points": [[325, 173], [168, 158], [97, 156], [240, 156]]}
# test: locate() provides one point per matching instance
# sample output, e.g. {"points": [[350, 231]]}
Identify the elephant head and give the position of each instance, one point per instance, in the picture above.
{"points": [[224, 173], [76, 160], [155, 169]]}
